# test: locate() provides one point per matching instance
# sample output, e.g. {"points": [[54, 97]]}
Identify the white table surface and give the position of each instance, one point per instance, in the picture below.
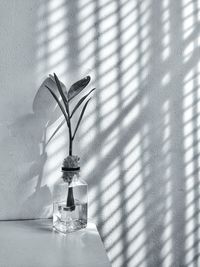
{"points": [[32, 243]]}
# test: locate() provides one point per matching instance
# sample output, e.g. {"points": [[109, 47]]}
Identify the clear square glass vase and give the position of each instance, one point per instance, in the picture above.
{"points": [[70, 203]]}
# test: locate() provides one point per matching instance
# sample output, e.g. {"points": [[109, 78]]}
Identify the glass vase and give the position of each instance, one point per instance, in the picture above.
{"points": [[70, 202]]}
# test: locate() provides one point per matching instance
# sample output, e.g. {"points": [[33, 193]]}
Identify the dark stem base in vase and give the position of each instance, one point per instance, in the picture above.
{"points": [[70, 206], [69, 219]]}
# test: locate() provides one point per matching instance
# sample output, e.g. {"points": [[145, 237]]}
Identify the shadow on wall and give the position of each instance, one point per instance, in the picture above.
{"points": [[29, 135], [139, 140]]}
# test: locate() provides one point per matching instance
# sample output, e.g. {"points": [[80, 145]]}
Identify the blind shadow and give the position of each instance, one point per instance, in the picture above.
{"points": [[139, 141]]}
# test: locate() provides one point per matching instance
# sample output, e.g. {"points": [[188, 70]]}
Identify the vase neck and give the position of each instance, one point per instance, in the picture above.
{"points": [[70, 175]]}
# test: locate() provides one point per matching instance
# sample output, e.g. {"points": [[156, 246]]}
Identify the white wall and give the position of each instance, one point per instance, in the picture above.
{"points": [[139, 142]]}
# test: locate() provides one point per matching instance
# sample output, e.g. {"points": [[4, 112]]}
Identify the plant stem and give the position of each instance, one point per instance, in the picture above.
{"points": [[70, 196], [70, 131], [70, 139]]}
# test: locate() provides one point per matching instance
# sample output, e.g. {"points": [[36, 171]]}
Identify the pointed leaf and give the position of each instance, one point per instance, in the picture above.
{"points": [[64, 89], [80, 102], [77, 87], [57, 129], [64, 99], [59, 104], [80, 118], [60, 88]]}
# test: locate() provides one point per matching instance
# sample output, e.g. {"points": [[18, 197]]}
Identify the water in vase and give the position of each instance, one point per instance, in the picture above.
{"points": [[71, 218]]}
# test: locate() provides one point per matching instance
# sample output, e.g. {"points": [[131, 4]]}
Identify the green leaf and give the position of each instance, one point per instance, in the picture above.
{"points": [[60, 89], [59, 104], [56, 130], [80, 118], [64, 99], [80, 102], [64, 89], [77, 87]]}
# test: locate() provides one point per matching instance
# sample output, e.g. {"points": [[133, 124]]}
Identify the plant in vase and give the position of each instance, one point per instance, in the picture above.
{"points": [[70, 195]]}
